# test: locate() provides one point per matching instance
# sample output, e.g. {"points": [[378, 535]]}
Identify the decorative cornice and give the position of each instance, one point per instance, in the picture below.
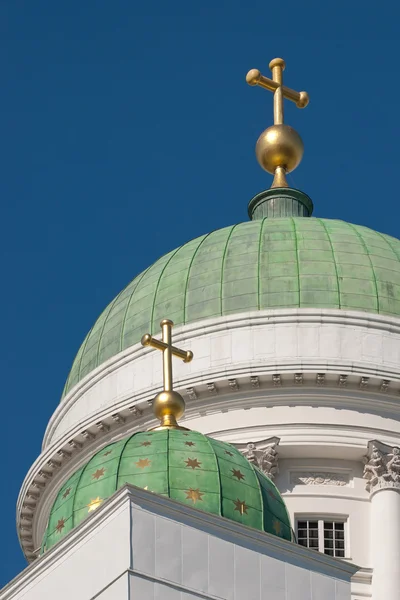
{"points": [[252, 391], [372, 322], [382, 467], [263, 454]]}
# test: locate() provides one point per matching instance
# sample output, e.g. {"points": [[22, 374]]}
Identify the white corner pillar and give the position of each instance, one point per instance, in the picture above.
{"points": [[382, 472]]}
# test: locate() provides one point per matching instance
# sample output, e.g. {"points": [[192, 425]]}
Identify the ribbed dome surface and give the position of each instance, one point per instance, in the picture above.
{"points": [[267, 263], [184, 465]]}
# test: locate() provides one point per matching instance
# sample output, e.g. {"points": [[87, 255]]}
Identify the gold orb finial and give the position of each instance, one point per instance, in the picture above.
{"points": [[168, 405], [279, 148]]}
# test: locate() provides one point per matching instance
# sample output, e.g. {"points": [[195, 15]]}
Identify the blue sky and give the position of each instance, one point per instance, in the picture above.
{"points": [[127, 129]]}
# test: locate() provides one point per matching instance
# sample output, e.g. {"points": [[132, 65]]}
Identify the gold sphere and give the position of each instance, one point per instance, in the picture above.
{"points": [[279, 146], [168, 404]]}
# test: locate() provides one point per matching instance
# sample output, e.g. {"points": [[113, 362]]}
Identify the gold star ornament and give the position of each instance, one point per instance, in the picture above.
{"points": [[146, 443], [238, 474], [142, 463], [66, 493], [193, 463], [241, 506], [276, 526], [194, 495], [99, 473], [60, 525], [93, 504]]}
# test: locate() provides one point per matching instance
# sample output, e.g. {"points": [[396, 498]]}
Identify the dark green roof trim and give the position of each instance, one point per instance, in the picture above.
{"points": [[280, 202]]}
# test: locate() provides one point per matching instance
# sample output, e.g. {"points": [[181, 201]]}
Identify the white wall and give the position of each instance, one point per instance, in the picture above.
{"points": [[140, 546], [210, 557], [82, 565]]}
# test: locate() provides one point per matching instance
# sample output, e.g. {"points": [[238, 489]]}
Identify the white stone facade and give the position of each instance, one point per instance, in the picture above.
{"points": [[308, 394], [139, 546]]}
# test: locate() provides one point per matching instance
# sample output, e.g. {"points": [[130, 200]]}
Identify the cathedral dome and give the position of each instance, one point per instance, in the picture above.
{"points": [[267, 263], [183, 465]]}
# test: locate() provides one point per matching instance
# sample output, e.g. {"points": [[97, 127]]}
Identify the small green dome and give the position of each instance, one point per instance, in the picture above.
{"points": [[289, 262], [184, 465]]}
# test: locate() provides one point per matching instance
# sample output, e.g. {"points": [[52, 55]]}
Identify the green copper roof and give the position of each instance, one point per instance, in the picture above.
{"points": [[184, 465], [266, 263]]}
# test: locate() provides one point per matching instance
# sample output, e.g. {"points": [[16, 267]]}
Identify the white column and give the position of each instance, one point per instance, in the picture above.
{"points": [[382, 472]]}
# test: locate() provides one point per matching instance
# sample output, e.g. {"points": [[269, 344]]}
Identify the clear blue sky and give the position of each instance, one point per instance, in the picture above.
{"points": [[120, 121]]}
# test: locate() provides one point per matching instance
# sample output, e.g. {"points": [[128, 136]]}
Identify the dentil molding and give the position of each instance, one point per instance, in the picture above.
{"points": [[269, 342]]}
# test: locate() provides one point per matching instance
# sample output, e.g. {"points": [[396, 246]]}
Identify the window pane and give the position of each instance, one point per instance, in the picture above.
{"points": [[302, 524], [328, 525], [302, 542], [340, 553], [329, 552], [313, 533], [339, 526], [339, 535], [313, 524], [339, 544], [328, 534], [328, 543]]}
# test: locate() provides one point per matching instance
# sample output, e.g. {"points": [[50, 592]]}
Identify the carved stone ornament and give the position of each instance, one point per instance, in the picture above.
{"points": [[382, 466], [318, 478], [263, 454]]}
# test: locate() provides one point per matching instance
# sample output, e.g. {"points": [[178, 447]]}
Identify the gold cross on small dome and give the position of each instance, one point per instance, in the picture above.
{"points": [[279, 148], [168, 405]]}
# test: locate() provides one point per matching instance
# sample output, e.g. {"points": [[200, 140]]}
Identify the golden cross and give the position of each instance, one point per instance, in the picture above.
{"points": [[277, 66], [168, 351]]}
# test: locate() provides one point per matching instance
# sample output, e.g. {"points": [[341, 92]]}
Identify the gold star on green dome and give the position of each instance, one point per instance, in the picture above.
{"points": [[194, 495], [60, 525], [99, 473], [66, 493], [241, 506], [193, 463], [238, 474], [93, 504], [277, 527], [142, 463]]}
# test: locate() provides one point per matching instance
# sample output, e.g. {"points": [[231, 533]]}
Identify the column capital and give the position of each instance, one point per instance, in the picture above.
{"points": [[382, 467], [263, 454]]}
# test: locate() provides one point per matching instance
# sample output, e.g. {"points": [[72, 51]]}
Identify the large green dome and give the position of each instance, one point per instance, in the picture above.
{"points": [[290, 262], [183, 465]]}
